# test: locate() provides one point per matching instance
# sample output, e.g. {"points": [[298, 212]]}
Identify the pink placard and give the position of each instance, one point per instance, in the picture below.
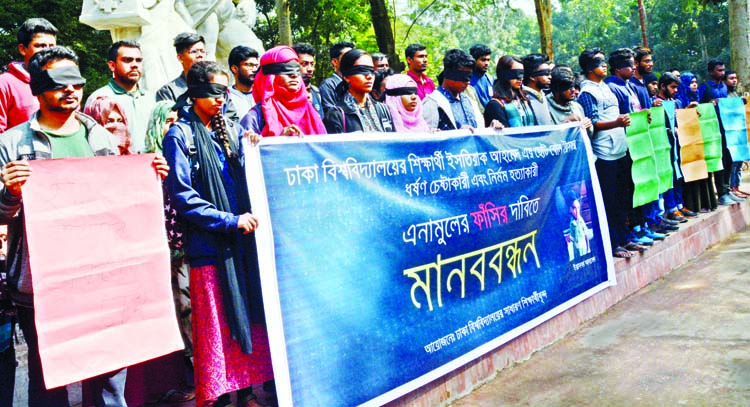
{"points": [[100, 265]]}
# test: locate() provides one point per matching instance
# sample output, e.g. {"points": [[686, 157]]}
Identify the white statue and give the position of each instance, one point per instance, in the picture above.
{"points": [[155, 23], [218, 23]]}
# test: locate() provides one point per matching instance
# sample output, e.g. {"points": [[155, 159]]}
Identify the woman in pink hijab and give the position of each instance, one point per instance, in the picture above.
{"points": [[282, 108], [108, 113], [406, 107]]}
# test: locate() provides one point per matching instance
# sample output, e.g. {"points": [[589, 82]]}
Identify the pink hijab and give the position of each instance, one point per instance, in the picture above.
{"points": [[100, 109], [404, 120], [280, 107]]}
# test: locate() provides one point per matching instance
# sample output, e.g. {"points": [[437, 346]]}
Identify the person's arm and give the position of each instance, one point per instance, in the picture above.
{"points": [[14, 175], [6, 102], [327, 95], [495, 111], [185, 198], [334, 121]]}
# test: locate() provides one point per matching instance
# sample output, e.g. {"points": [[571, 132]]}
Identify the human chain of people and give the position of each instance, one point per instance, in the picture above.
{"points": [[195, 123]]}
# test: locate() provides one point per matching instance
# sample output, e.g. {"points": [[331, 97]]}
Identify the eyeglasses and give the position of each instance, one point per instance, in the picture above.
{"points": [[197, 52]]}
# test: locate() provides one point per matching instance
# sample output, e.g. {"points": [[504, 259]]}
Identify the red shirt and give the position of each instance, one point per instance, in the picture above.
{"points": [[17, 104], [425, 85]]}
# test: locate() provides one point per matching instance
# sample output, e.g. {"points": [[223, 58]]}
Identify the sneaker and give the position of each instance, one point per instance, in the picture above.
{"points": [[726, 200], [664, 227], [655, 235], [640, 238], [669, 221], [687, 212], [735, 198], [676, 216]]}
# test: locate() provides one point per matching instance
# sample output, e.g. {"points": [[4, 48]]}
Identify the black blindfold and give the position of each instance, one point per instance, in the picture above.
{"points": [[458, 76], [56, 78], [281, 68], [512, 74], [401, 91], [207, 91], [358, 70]]}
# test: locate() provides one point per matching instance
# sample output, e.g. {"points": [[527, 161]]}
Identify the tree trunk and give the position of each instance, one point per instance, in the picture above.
{"points": [[381, 23], [544, 17], [739, 40], [642, 17], [285, 26]]}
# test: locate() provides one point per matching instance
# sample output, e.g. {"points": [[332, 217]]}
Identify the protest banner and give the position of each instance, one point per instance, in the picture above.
{"points": [[692, 152], [657, 131], [709, 125], [644, 170], [732, 113], [389, 260], [671, 121], [100, 264]]}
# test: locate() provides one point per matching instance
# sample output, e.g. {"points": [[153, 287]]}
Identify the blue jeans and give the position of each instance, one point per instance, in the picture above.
{"points": [[734, 177], [108, 389]]}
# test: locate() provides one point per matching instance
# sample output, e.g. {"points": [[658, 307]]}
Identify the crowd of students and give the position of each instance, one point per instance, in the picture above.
{"points": [[197, 121]]}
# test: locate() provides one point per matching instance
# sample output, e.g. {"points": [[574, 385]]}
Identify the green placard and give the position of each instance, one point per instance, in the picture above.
{"points": [[658, 131], [709, 125], [644, 171]]}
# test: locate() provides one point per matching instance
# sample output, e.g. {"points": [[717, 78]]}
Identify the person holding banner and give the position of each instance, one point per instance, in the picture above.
{"points": [[688, 92], [563, 107], [510, 105], [282, 106], [609, 145], [406, 107], [673, 203], [355, 109], [57, 130], [451, 107], [208, 189]]}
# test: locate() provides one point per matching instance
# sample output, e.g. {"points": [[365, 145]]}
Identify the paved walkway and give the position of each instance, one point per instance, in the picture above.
{"points": [[682, 341]]}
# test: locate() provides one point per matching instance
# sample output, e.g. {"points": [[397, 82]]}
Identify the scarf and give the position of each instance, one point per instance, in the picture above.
{"points": [[280, 107], [684, 94], [236, 261], [404, 120]]}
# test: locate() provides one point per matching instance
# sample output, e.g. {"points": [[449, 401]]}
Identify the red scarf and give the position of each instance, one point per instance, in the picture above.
{"points": [[280, 107]]}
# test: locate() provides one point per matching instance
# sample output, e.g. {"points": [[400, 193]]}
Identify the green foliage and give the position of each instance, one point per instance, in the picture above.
{"points": [[682, 38], [90, 45], [463, 23], [320, 23]]}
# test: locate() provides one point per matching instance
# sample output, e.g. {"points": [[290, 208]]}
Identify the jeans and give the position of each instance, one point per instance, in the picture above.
{"points": [[108, 389]]}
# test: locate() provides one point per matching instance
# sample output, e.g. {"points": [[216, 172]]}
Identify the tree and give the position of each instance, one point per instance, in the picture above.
{"points": [[381, 23], [90, 45], [739, 38], [285, 25], [544, 17]]}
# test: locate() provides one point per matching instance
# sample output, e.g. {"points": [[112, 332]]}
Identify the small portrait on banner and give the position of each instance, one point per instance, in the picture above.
{"points": [[573, 206]]}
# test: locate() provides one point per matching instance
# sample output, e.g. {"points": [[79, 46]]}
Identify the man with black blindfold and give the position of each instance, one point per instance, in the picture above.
{"points": [[563, 107], [57, 130], [622, 66], [609, 145], [447, 108], [536, 79]]}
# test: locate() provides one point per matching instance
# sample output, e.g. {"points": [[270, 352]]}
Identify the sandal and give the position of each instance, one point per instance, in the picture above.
{"points": [[635, 247], [622, 253], [173, 397]]}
